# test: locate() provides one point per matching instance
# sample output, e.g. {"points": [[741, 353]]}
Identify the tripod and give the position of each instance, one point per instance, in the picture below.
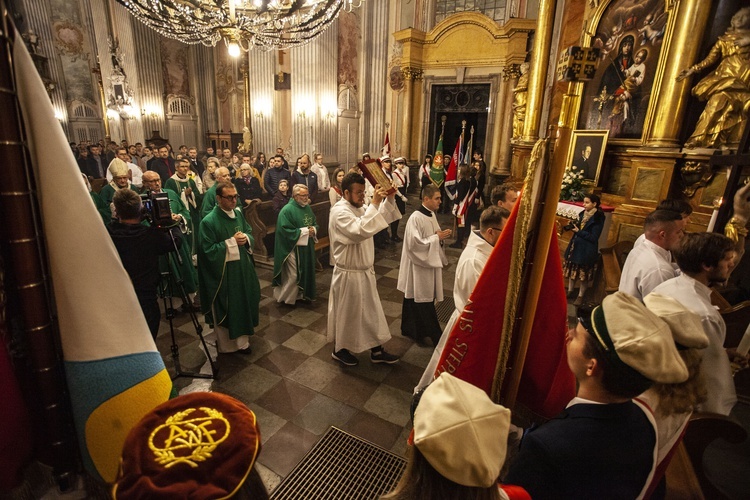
{"points": [[169, 277]]}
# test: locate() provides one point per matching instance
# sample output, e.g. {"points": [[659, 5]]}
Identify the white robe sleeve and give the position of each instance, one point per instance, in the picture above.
{"points": [[233, 251], [304, 237], [421, 244], [389, 210]]}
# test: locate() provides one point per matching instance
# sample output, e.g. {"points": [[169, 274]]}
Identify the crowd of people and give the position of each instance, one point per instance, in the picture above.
{"points": [[644, 359]]}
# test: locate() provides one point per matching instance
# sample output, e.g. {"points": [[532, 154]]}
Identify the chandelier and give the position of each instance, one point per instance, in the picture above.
{"points": [[242, 24]]}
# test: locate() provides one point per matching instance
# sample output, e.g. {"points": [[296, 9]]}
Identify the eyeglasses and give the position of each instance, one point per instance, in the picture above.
{"points": [[498, 229], [230, 198]]}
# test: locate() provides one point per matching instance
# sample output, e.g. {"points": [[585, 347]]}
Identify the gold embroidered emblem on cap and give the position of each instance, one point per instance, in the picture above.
{"points": [[182, 440]]}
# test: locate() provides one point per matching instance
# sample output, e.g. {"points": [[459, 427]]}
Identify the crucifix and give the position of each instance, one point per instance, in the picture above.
{"points": [[736, 163]]}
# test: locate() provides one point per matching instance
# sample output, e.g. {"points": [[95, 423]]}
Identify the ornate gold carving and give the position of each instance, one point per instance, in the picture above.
{"points": [[695, 174], [511, 71], [182, 440], [519, 101], [411, 73], [725, 89]]}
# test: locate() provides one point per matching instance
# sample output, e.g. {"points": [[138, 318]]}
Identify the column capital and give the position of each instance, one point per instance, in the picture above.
{"points": [[410, 73], [511, 71]]}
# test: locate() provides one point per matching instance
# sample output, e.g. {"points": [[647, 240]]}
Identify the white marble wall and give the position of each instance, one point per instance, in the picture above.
{"points": [[314, 96], [263, 106], [373, 74]]}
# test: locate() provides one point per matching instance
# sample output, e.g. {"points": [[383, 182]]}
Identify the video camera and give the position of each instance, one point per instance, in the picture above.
{"points": [[156, 209]]}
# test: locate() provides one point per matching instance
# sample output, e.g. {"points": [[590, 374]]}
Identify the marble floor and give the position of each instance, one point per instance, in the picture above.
{"points": [[290, 381]]}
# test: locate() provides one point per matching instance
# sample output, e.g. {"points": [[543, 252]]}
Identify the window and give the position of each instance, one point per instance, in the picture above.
{"points": [[494, 9]]}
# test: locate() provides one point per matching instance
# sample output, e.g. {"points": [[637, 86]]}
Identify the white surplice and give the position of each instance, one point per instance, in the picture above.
{"points": [[355, 316], [715, 366], [420, 274], [647, 266], [469, 267]]}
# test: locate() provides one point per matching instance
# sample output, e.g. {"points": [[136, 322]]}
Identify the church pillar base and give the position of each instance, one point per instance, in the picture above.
{"points": [[520, 159]]}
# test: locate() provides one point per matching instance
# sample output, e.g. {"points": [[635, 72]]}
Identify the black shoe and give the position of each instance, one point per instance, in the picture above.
{"points": [[345, 357], [383, 357], [246, 351], [396, 239]]}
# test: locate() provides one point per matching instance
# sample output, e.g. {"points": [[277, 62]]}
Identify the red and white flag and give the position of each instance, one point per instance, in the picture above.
{"points": [[386, 150]]}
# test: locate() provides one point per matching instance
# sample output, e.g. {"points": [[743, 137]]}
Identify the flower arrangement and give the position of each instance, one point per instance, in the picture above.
{"points": [[572, 184]]}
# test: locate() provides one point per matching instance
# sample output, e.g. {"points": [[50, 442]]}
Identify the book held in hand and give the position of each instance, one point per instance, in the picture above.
{"points": [[373, 172]]}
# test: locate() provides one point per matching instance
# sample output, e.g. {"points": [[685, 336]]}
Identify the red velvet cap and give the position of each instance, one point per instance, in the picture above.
{"points": [[197, 446]]}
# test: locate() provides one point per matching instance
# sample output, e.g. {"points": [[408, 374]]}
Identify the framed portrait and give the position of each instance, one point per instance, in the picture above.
{"points": [[587, 153]]}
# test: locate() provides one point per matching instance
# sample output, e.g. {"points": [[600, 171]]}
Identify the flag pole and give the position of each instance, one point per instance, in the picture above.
{"points": [[27, 263], [531, 288]]}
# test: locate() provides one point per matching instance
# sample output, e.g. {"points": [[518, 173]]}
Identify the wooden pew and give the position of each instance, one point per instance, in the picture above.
{"points": [[613, 259]]}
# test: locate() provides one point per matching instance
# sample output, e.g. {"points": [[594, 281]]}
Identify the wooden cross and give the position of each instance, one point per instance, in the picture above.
{"points": [[736, 162]]}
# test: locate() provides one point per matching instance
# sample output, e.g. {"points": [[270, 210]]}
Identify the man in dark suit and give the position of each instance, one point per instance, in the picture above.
{"points": [[195, 164], [602, 445], [87, 164], [582, 162], [162, 164]]}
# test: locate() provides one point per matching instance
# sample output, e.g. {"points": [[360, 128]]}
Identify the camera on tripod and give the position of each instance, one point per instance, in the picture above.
{"points": [[156, 209]]}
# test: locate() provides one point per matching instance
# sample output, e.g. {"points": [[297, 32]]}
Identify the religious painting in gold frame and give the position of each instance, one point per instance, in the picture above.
{"points": [[630, 36], [587, 153]]}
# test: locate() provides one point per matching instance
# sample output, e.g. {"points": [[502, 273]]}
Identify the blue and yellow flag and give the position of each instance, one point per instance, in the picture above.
{"points": [[114, 372]]}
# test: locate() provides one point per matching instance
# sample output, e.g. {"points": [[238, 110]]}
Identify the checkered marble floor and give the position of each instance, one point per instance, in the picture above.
{"points": [[292, 384]]}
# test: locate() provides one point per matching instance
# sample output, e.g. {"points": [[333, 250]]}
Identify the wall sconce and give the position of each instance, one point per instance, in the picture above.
{"points": [[263, 107], [150, 110], [328, 108], [58, 115], [112, 114]]}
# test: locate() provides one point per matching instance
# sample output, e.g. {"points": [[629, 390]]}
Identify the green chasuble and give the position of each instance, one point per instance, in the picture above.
{"points": [[288, 224], [228, 288], [209, 201], [178, 186], [101, 207], [186, 270]]}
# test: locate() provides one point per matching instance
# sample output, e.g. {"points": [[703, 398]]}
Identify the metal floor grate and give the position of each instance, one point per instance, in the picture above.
{"points": [[339, 467], [445, 308]]}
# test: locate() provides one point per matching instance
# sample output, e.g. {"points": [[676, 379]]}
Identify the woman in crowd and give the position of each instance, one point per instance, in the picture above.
{"points": [[281, 197], [260, 163], [248, 186], [209, 175], [335, 194], [424, 172], [582, 253]]}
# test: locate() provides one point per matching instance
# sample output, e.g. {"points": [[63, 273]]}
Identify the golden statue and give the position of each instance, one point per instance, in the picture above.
{"points": [[519, 101], [726, 89]]}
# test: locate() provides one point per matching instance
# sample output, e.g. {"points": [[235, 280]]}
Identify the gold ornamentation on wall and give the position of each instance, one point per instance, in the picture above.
{"points": [[726, 89], [695, 175], [519, 101]]}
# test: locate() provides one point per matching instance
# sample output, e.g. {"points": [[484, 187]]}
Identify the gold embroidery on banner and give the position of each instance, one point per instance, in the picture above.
{"points": [[183, 440]]}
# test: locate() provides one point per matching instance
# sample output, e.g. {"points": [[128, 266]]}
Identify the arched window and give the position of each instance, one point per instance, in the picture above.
{"points": [[180, 106]]}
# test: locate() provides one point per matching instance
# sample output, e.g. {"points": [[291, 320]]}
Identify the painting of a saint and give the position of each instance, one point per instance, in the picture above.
{"points": [[629, 36]]}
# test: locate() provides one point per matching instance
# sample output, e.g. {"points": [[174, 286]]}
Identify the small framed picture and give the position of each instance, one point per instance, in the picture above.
{"points": [[587, 152]]}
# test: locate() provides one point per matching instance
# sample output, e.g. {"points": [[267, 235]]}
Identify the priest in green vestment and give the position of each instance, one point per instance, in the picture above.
{"points": [[228, 284], [120, 180], [209, 197], [188, 192], [294, 249], [185, 269]]}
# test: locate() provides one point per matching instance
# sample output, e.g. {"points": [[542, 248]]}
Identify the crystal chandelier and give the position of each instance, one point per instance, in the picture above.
{"points": [[242, 24]]}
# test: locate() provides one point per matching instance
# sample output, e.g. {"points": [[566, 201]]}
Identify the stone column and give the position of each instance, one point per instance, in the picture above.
{"points": [[407, 123], [373, 73], [690, 18], [149, 71], [501, 152], [265, 133]]}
